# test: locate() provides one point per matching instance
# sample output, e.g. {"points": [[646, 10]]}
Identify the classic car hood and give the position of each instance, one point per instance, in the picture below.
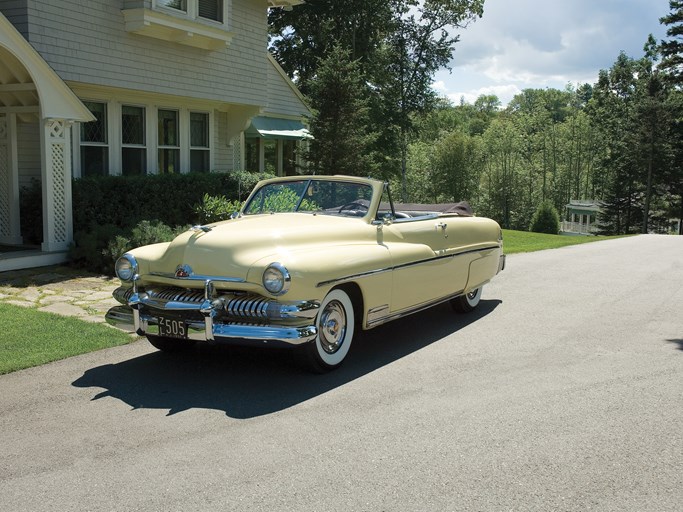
{"points": [[231, 247]]}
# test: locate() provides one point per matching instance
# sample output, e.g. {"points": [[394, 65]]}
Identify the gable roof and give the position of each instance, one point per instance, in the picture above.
{"points": [[29, 81]]}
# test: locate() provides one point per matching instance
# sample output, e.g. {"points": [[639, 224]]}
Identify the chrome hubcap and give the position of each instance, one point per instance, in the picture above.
{"points": [[332, 327]]}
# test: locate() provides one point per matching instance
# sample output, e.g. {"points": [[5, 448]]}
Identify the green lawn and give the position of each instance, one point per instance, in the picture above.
{"points": [[524, 241], [31, 338]]}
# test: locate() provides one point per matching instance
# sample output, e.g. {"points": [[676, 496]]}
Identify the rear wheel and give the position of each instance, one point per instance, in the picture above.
{"points": [[469, 301], [170, 344], [335, 323]]}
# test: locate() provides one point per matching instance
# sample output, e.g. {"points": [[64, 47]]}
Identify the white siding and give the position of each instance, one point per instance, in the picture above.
{"points": [[222, 150], [85, 41], [28, 152], [283, 100]]}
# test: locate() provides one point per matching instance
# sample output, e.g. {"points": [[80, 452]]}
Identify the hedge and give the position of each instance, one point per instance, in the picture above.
{"points": [[113, 213], [124, 201]]}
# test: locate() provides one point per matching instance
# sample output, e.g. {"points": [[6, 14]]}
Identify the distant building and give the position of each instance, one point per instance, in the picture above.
{"points": [[581, 217]]}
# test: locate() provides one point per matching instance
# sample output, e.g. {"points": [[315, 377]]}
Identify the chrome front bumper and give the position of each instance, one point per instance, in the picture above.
{"points": [[216, 319]]}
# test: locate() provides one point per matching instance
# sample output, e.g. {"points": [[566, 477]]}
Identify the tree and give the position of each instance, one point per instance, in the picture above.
{"points": [[301, 38], [611, 111], [456, 165], [398, 45], [672, 49], [546, 219], [342, 144], [672, 70], [500, 178]]}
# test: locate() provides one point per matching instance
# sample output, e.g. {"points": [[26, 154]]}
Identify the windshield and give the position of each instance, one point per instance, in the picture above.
{"points": [[312, 196]]}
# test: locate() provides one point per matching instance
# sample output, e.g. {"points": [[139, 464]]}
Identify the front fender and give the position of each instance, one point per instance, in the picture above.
{"points": [[315, 272]]}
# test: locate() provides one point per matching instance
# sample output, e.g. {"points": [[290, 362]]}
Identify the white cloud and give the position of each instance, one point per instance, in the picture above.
{"points": [[547, 43]]}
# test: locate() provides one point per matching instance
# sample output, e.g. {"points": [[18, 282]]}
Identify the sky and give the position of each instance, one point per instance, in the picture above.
{"points": [[539, 44]]}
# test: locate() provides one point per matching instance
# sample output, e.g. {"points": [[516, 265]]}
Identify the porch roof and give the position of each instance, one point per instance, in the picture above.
{"points": [[29, 85], [276, 128]]}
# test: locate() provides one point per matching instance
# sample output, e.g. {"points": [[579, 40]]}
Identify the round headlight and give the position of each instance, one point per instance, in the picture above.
{"points": [[276, 279], [126, 267]]}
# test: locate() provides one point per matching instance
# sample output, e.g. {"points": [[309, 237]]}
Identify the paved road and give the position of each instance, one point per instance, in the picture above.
{"points": [[563, 392]]}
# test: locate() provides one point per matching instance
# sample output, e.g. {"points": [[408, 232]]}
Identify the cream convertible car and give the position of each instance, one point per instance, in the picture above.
{"points": [[306, 262]]}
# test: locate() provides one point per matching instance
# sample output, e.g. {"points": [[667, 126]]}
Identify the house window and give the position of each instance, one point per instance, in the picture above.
{"points": [[180, 5], [206, 9], [94, 143], [211, 10], [199, 142], [289, 157], [270, 156], [133, 150], [169, 142], [251, 157]]}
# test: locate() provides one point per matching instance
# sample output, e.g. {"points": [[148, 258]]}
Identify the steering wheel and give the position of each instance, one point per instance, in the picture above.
{"points": [[354, 206]]}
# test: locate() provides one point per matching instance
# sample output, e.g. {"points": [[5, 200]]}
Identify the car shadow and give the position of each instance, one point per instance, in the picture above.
{"points": [[678, 342], [251, 382]]}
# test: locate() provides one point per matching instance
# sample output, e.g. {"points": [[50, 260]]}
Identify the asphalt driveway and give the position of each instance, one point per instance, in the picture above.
{"points": [[563, 391]]}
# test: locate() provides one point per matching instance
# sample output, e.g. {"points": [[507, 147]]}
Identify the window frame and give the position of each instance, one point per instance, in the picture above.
{"points": [[127, 145], [204, 149], [191, 11], [106, 144], [115, 147], [167, 147]]}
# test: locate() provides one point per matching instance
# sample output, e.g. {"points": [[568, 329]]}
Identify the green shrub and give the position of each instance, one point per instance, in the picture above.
{"points": [[171, 198], [87, 251], [106, 209], [145, 233], [215, 208], [546, 219]]}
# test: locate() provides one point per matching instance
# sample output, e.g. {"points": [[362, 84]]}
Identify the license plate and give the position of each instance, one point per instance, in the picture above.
{"points": [[172, 328]]}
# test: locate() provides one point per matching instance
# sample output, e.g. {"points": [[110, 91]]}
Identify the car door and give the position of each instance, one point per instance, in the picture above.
{"points": [[423, 262]]}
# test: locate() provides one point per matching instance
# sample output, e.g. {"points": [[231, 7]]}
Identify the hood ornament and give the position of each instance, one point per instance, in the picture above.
{"points": [[183, 271], [204, 229]]}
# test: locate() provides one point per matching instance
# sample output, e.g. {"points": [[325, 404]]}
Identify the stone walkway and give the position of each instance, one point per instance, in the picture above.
{"points": [[60, 290]]}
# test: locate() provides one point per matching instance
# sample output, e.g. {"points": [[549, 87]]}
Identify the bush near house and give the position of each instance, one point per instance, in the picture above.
{"points": [[113, 214]]}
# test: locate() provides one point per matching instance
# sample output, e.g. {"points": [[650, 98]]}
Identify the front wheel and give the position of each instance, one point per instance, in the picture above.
{"points": [[335, 323], [469, 301]]}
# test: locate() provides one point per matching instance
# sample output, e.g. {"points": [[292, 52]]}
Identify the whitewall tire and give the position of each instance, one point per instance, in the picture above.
{"points": [[335, 323], [468, 302]]}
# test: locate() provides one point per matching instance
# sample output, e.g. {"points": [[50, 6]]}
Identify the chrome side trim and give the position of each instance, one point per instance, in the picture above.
{"points": [[415, 309], [199, 277], [404, 265], [376, 314]]}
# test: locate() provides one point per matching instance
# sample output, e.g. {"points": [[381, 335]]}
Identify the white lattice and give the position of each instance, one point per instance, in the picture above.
{"points": [[59, 192], [5, 190], [57, 128], [237, 153]]}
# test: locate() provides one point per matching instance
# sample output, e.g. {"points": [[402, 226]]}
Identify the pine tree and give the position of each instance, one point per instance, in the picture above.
{"points": [[342, 143]]}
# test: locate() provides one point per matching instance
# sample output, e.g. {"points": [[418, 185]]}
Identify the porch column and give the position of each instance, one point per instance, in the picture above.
{"points": [[56, 173], [10, 228]]}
